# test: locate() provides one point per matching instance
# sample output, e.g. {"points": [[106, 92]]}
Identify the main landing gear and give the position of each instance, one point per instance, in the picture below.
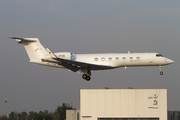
{"points": [[161, 72], [86, 77]]}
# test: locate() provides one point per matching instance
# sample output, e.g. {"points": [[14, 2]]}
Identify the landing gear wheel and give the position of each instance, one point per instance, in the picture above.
{"points": [[84, 76], [161, 73], [88, 78]]}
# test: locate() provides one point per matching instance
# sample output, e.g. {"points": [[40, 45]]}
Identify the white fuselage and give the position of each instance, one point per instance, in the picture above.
{"points": [[115, 60]]}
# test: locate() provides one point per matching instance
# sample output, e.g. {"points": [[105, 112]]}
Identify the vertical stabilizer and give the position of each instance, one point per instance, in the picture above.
{"points": [[33, 47]]}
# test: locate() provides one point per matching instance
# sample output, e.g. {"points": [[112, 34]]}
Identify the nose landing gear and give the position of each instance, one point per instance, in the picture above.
{"points": [[161, 72]]}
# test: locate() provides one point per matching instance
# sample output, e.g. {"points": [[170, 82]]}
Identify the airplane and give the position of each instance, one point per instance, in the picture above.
{"points": [[85, 63]]}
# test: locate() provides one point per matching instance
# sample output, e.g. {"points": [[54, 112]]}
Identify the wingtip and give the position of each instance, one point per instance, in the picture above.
{"points": [[13, 37]]}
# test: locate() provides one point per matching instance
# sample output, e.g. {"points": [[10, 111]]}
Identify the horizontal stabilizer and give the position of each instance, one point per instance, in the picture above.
{"points": [[24, 39]]}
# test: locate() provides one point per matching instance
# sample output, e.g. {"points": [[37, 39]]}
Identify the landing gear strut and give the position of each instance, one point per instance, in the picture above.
{"points": [[86, 77], [161, 72]]}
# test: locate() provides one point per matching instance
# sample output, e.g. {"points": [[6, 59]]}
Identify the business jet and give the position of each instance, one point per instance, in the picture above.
{"points": [[85, 63]]}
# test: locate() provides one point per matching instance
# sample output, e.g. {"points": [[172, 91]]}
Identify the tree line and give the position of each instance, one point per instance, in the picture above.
{"points": [[58, 114]]}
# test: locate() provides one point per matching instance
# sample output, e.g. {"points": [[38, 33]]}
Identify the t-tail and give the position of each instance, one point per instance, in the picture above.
{"points": [[33, 47]]}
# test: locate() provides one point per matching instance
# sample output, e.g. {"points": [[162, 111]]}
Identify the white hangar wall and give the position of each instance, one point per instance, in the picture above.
{"points": [[123, 103]]}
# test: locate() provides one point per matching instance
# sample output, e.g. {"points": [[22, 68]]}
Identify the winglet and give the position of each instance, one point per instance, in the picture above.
{"points": [[52, 55]]}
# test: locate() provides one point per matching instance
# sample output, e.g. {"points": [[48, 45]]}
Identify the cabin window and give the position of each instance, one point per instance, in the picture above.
{"points": [[110, 58], [131, 58], [138, 58], [96, 59], [103, 59], [117, 58], [124, 58]]}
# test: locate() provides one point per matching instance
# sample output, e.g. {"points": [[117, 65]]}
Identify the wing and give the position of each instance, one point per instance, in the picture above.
{"points": [[73, 65]]}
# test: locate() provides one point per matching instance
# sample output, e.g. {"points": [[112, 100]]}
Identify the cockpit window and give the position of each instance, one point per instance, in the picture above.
{"points": [[159, 55]]}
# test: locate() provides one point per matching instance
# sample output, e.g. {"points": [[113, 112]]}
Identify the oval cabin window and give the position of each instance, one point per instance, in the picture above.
{"points": [[138, 58], [103, 59], [131, 58], [124, 58], [96, 59], [110, 58], [117, 58]]}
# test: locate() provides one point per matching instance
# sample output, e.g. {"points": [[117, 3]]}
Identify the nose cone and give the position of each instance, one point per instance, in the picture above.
{"points": [[169, 61]]}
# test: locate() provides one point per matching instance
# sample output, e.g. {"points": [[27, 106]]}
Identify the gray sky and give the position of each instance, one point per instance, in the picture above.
{"points": [[85, 27]]}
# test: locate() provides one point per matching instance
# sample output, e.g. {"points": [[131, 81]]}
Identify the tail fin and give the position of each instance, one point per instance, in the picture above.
{"points": [[33, 47]]}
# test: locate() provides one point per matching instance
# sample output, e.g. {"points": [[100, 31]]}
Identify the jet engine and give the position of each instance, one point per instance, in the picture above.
{"points": [[64, 55]]}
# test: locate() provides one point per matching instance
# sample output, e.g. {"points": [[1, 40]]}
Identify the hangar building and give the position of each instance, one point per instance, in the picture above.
{"points": [[122, 104]]}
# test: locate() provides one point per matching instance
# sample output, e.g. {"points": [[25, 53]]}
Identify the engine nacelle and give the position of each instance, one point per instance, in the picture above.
{"points": [[64, 55]]}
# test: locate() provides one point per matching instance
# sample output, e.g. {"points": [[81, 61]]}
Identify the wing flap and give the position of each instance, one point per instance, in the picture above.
{"points": [[85, 65]]}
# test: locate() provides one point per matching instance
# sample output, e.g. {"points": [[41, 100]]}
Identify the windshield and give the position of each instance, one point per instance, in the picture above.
{"points": [[159, 55]]}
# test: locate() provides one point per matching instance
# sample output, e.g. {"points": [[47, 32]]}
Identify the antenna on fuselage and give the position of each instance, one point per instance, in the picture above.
{"points": [[128, 52]]}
